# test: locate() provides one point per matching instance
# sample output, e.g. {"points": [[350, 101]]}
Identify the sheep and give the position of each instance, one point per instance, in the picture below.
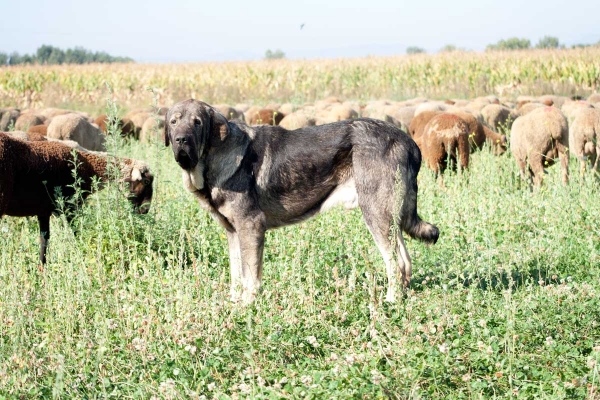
{"points": [[76, 127], [594, 98], [584, 137], [229, 112], [572, 108], [419, 121], [9, 118], [479, 133], [430, 106], [526, 108], [31, 172], [496, 116], [445, 136], [250, 112], [27, 120], [288, 108], [124, 125], [404, 114], [265, 117], [138, 120], [297, 120], [152, 128], [537, 139], [340, 112], [40, 129], [50, 113]]}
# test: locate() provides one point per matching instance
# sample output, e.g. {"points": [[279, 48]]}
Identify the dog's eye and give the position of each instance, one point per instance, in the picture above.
{"points": [[196, 121], [146, 182], [174, 121]]}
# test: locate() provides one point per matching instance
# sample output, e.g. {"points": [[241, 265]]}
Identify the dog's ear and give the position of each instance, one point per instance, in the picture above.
{"points": [[166, 133], [220, 128]]}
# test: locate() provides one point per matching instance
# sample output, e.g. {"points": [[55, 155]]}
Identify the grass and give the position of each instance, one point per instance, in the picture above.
{"points": [[507, 303]]}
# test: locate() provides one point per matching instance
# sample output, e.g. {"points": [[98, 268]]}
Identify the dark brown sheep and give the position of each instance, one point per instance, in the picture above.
{"points": [[445, 137], [265, 117], [30, 172]]}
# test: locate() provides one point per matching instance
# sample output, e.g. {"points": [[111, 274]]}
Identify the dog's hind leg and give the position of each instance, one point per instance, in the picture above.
{"points": [[235, 266], [393, 263]]}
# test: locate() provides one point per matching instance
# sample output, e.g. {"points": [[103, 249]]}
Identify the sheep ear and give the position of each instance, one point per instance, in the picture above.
{"points": [[136, 175], [166, 134], [220, 128]]}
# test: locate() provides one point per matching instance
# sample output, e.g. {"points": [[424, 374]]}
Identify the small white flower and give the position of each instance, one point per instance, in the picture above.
{"points": [[305, 379], [443, 348], [245, 388], [211, 386]]}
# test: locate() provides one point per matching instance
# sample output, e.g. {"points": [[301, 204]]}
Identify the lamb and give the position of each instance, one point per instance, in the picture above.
{"points": [[584, 137], [537, 139], [445, 136], [594, 98], [76, 127], [265, 117], [30, 172]]}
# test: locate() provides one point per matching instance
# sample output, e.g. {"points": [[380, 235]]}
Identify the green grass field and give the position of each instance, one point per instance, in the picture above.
{"points": [[506, 304]]}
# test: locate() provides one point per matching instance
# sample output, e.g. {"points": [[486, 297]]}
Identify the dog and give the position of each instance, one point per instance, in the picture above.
{"points": [[254, 178]]}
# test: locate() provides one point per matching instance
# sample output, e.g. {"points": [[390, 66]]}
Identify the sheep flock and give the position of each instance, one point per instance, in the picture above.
{"points": [[538, 132]]}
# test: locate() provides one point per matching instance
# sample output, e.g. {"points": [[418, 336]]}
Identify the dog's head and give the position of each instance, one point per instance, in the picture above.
{"points": [[192, 127]]}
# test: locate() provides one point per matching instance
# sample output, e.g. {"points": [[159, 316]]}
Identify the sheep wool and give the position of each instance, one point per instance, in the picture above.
{"points": [[584, 137], [537, 139], [419, 121], [445, 136], [76, 127], [31, 171]]}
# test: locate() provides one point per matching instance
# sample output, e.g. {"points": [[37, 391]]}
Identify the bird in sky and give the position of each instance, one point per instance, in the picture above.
{"points": [[301, 26]]}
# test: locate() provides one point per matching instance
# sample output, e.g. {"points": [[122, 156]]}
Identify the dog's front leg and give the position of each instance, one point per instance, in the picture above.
{"points": [[235, 265], [252, 242]]}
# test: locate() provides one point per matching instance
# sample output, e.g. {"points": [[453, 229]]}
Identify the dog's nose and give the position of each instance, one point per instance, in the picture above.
{"points": [[181, 140]]}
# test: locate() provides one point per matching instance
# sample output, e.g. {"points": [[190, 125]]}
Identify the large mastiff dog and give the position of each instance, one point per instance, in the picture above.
{"points": [[254, 178]]}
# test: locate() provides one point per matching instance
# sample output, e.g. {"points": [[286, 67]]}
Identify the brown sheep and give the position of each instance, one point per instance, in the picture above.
{"points": [[340, 112], [229, 112], [418, 123], [537, 139], [265, 117], [76, 127], [446, 136], [39, 129], [31, 172], [480, 134], [138, 120], [584, 137], [125, 126], [27, 120], [528, 107]]}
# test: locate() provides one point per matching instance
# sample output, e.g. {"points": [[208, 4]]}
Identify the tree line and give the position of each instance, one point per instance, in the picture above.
{"points": [[514, 43], [51, 55]]}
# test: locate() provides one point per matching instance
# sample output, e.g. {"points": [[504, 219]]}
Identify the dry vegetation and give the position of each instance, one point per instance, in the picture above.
{"points": [[457, 74]]}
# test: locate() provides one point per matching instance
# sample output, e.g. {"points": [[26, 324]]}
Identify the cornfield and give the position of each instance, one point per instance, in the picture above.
{"points": [[456, 74]]}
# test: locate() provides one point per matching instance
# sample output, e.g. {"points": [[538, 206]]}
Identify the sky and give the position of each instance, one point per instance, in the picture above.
{"points": [[189, 31]]}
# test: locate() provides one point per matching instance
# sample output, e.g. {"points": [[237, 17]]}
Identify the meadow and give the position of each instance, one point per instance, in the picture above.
{"points": [[506, 304]]}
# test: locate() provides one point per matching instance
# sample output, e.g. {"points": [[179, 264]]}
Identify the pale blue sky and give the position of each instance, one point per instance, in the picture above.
{"points": [[185, 30]]}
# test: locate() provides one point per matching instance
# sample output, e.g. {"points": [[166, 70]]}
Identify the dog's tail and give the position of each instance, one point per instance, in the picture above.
{"points": [[410, 222]]}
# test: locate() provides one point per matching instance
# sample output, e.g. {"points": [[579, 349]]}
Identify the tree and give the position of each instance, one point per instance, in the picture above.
{"points": [[448, 48], [513, 43], [414, 50], [548, 42], [274, 55], [3, 59]]}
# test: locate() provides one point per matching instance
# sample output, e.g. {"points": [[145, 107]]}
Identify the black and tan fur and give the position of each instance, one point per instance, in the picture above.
{"points": [[256, 178]]}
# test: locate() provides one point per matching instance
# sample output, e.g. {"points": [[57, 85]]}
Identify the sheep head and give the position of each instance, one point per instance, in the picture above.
{"points": [[140, 180]]}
